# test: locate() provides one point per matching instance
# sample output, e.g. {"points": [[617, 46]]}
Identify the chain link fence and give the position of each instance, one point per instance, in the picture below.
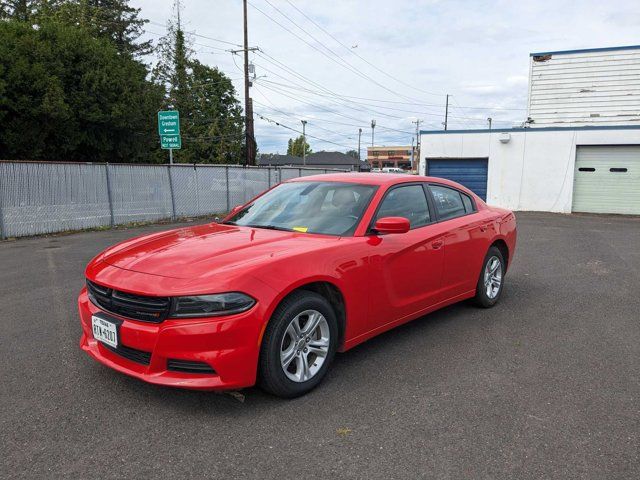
{"points": [[46, 197]]}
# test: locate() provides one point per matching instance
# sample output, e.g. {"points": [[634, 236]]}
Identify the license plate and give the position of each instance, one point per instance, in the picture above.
{"points": [[104, 331]]}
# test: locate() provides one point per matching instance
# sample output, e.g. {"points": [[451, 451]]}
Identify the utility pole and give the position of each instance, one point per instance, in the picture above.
{"points": [[417, 122], [412, 153], [359, 136], [446, 113], [304, 143], [250, 152], [373, 128]]}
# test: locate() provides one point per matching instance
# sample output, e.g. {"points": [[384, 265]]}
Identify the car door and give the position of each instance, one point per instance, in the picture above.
{"points": [[405, 269], [466, 238]]}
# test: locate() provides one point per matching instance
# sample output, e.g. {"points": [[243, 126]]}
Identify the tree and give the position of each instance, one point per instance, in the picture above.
{"points": [[27, 10], [297, 146], [213, 126], [211, 117], [114, 20], [67, 96], [353, 154]]}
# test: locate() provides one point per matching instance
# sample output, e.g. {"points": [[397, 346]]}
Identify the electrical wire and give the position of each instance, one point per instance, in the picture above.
{"points": [[342, 63], [350, 50], [269, 120]]}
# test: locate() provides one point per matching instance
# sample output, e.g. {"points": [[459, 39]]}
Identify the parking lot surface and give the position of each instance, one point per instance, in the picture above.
{"points": [[545, 385]]}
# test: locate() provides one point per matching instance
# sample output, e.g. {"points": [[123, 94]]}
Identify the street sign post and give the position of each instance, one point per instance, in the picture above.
{"points": [[169, 130]]}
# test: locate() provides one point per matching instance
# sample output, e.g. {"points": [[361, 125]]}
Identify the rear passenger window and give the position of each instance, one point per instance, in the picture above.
{"points": [[448, 202], [468, 204], [408, 202]]}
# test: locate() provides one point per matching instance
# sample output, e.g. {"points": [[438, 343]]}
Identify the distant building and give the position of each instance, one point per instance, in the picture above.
{"points": [[331, 160], [391, 156], [577, 150]]}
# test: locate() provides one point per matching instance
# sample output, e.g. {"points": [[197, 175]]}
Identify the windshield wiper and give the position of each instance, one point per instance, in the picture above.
{"points": [[269, 227]]}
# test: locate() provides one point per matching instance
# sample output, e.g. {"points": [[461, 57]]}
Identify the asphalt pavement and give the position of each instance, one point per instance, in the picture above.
{"points": [[544, 385]]}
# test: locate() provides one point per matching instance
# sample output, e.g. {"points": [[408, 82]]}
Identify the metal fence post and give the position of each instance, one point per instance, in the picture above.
{"points": [[111, 219], [173, 199], [268, 177], [3, 235], [226, 174], [299, 172]]}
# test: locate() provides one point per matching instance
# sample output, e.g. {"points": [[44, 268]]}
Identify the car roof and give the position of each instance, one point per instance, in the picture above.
{"points": [[381, 179]]}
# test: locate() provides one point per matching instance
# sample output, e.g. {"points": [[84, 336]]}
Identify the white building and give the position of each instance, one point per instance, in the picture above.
{"points": [[579, 150]]}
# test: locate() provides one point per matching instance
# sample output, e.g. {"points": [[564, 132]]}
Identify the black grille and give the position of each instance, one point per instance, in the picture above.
{"points": [[189, 366], [138, 356], [138, 307]]}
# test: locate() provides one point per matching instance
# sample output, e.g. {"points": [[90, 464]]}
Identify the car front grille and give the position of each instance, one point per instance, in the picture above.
{"points": [[138, 356], [188, 366], [138, 307]]}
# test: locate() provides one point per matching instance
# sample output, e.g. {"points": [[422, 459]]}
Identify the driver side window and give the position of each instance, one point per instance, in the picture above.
{"points": [[409, 202]]}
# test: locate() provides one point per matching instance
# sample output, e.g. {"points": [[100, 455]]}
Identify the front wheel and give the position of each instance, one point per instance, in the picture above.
{"points": [[298, 345], [489, 287]]}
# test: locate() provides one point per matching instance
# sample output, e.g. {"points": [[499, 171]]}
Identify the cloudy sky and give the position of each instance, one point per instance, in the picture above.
{"points": [[339, 64]]}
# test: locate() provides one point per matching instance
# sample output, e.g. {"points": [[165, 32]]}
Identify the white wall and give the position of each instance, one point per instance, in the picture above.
{"points": [[534, 170], [593, 87]]}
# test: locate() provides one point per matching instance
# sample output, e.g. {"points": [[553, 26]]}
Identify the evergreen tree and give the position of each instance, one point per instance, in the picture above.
{"points": [[210, 114], [67, 96], [114, 20], [28, 10]]}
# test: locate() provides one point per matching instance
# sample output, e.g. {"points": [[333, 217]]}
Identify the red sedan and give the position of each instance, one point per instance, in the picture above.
{"points": [[314, 266]]}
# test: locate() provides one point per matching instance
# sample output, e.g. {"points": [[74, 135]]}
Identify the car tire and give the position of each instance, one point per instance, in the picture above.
{"points": [[491, 279], [278, 339]]}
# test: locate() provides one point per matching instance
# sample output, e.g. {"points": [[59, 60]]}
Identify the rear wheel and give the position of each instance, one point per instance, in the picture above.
{"points": [[489, 287], [298, 345]]}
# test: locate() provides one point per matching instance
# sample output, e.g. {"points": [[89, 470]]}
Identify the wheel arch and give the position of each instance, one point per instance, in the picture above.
{"points": [[501, 245], [325, 287]]}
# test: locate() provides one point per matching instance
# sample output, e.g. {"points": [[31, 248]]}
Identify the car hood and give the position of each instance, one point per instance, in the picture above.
{"points": [[203, 250]]}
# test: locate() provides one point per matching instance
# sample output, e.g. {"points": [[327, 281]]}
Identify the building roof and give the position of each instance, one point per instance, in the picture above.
{"points": [[319, 158], [277, 159], [390, 147], [586, 50], [538, 129], [331, 158]]}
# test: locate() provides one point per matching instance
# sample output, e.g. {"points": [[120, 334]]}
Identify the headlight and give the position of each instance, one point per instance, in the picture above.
{"points": [[212, 305]]}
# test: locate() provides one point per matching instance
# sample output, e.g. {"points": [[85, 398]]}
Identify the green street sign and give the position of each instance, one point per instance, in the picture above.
{"points": [[169, 122], [173, 142]]}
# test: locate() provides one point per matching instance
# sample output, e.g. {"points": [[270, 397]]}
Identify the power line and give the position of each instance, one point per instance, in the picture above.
{"points": [[345, 100], [311, 122], [329, 110], [350, 50], [262, 117], [349, 103], [158, 24], [344, 63], [336, 122], [193, 43]]}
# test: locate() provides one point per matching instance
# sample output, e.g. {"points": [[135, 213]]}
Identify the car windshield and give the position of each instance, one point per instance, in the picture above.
{"points": [[331, 208]]}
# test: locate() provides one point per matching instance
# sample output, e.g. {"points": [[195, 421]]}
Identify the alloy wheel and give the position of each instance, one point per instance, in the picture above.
{"points": [[305, 346], [493, 277]]}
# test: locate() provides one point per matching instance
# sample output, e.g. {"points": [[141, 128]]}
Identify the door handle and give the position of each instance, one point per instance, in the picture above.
{"points": [[437, 244]]}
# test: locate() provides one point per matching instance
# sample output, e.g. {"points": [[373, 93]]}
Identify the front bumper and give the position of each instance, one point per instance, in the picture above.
{"points": [[229, 345]]}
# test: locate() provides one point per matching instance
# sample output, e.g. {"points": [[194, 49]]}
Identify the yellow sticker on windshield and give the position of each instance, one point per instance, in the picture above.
{"points": [[300, 229]]}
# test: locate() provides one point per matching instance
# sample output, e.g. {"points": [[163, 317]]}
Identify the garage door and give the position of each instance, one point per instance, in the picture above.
{"points": [[607, 180], [470, 172]]}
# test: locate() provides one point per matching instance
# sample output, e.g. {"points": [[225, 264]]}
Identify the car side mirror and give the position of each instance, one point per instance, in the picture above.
{"points": [[235, 209], [388, 225]]}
